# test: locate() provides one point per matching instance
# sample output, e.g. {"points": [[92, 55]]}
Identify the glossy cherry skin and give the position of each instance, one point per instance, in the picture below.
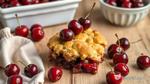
{"points": [[2, 1], [114, 48], [26, 2], [36, 26], [122, 68], [31, 70], [143, 62], [112, 2], [54, 74], [127, 4], [14, 3], [124, 43], [22, 31], [114, 77], [66, 35], [5, 5], [37, 34], [90, 68], [138, 4], [75, 26], [12, 69], [35, 1], [120, 58], [15, 79], [86, 23]]}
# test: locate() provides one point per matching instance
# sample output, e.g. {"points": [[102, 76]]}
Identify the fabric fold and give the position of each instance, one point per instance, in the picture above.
{"points": [[14, 49]]}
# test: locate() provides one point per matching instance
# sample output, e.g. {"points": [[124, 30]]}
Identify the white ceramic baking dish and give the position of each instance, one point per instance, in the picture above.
{"points": [[46, 14]]}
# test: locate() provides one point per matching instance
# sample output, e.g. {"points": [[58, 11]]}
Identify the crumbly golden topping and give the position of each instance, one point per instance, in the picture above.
{"points": [[89, 44]]}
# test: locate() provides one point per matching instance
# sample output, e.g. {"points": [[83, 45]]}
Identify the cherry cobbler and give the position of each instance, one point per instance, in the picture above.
{"points": [[81, 54]]}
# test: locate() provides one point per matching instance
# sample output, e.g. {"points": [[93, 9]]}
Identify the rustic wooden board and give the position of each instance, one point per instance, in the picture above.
{"points": [[138, 32]]}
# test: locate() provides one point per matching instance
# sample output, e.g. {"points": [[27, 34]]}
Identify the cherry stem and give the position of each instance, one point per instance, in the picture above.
{"points": [[22, 63], [117, 39], [90, 11], [17, 18]]}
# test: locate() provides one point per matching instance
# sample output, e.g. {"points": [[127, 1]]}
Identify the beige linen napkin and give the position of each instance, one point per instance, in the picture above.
{"points": [[14, 48]]}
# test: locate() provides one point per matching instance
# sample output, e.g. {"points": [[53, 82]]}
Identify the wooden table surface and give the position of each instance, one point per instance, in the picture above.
{"points": [[138, 34]]}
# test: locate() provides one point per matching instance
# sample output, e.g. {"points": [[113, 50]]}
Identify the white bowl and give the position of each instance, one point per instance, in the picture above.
{"points": [[46, 14], [124, 16]]}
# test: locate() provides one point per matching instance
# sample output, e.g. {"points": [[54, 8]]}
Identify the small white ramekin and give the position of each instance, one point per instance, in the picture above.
{"points": [[123, 16]]}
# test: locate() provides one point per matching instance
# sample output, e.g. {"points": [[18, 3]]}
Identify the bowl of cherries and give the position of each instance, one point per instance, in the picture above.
{"points": [[124, 12]]}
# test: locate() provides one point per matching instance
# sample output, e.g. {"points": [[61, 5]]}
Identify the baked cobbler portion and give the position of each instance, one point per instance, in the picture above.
{"points": [[82, 54]]}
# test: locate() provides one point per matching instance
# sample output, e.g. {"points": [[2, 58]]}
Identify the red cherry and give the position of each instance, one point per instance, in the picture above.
{"points": [[15, 79], [90, 68], [120, 58], [122, 68], [114, 48], [75, 27], [127, 4], [86, 23], [2, 1], [54, 74], [31, 70], [22, 31], [36, 26], [124, 43], [26, 2], [114, 77], [5, 5], [66, 35], [14, 3], [35, 1], [37, 34], [138, 4], [112, 2], [12, 69], [143, 62]]}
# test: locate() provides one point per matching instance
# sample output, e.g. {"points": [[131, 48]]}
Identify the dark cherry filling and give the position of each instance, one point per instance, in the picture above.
{"points": [[78, 66]]}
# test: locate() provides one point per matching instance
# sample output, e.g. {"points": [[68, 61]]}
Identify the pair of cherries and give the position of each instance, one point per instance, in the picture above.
{"points": [[117, 51], [126, 3], [14, 3], [115, 77], [120, 59], [75, 27], [12, 71], [37, 32]]}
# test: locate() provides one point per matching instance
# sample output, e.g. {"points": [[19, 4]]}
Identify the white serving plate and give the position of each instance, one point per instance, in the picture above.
{"points": [[46, 14]]}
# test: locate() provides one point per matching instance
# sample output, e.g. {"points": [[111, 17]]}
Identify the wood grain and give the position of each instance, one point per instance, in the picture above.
{"points": [[138, 34]]}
